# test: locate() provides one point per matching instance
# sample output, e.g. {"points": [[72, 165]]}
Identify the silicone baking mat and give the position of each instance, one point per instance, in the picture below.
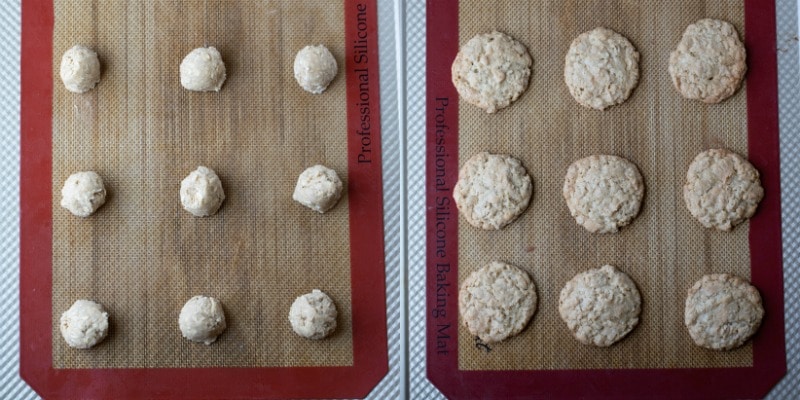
{"points": [[142, 133], [664, 249], [142, 256]]}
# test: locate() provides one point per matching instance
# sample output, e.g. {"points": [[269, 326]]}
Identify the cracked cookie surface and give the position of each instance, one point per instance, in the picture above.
{"points": [[709, 63], [600, 306], [722, 311], [601, 68], [491, 71], [603, 192], [492, 190], [497, 301], [722, 189]]}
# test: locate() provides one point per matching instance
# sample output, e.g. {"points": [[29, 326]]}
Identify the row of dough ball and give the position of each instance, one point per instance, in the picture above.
{"points": [[202, 319], [602, 67], [602, 305], [318, 188], [202, 69], [604, 192]]}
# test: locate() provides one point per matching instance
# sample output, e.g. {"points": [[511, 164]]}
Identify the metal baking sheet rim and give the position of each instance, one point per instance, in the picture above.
{"points": [[789, 112], [392, 384]]}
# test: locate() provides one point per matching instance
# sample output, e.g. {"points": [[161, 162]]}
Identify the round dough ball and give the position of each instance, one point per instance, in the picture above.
{"points": [[313, 315], [80, 69], [492, 190], [491, 71], [201, 192], [318, 188], [84, 325], [202, 319], [83, 193], [600, 306], [722, 189], [601, 69], [202, 70], [709, 63], [603, 192], [497, 301], [314, 68], [722, 311]]}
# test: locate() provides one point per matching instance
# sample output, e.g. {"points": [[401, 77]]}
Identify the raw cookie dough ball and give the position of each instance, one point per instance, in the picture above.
{"points": [[84, 325], [492, 190], [600, 306], [313, 315], [314, 68], [83, 193], [709, 63], [202, 319], [80, 69], [601, 68], [491, 71], [201, 192], [722, 311], [202, 70], [603, 192], [722, 189], [497, 301], [318, 188]]}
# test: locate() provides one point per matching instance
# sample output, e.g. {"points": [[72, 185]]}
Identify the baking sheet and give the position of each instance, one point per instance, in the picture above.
{"points": [[142, 132], [367, 354], [540, 368]]}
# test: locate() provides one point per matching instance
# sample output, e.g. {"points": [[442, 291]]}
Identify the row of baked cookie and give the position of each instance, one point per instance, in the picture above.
{"points": [[604, 192], [602, 305], [202, 319], [602, 67]]}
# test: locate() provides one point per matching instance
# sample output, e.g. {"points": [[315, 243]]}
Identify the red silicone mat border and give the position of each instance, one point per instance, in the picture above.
{"points": [[370, 348], [769, 357]]}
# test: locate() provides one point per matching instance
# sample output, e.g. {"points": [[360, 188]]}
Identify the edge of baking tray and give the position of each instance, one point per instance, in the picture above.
{"points": [[11, 385], [392, 386]]}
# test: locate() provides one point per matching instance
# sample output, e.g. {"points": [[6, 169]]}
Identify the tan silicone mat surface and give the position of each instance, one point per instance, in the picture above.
{"points": [[664, 250], [142, 255]]}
